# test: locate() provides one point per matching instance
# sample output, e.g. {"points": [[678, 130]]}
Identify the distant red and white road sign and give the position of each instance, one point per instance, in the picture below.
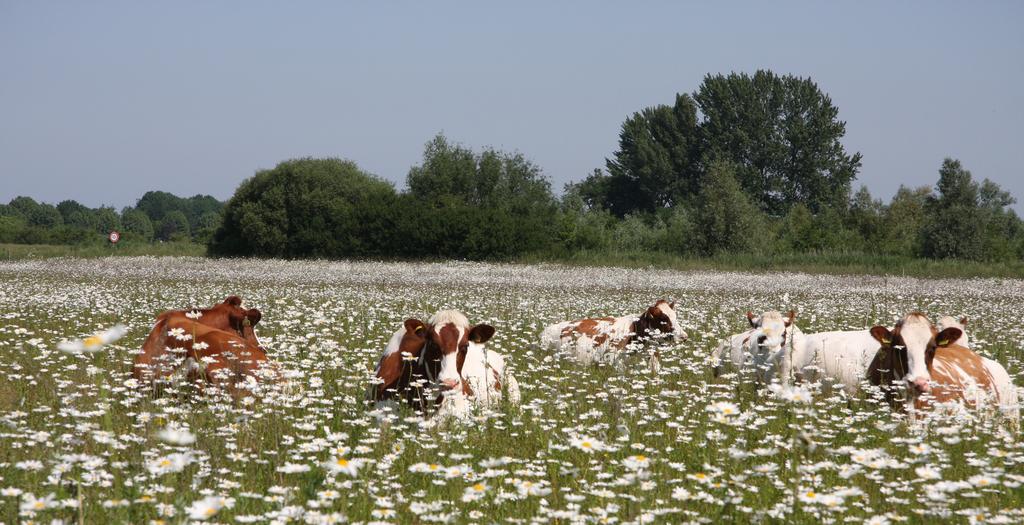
{"points": [[114, 237]]}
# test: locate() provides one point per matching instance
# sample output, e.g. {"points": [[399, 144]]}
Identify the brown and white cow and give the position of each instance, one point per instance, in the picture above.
{"points": [[1009, 397], [155, 362], [442, 363], [927, 365], [218, 358], [605, 339]]}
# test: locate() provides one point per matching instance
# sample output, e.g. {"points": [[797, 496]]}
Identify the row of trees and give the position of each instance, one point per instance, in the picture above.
{"points": [[746, 163], [458, 204], [157, 216], [494, 205]]}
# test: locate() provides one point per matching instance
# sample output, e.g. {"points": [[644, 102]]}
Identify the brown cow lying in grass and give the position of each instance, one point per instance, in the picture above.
{"points": [[211, 347]]}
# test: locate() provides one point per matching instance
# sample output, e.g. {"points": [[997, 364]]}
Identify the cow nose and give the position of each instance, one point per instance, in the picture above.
{"points": [[450, 383], [921, 385]]}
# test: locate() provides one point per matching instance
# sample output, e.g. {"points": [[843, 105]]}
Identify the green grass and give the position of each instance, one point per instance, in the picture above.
{"points": [[818, 263], [43, 251]]}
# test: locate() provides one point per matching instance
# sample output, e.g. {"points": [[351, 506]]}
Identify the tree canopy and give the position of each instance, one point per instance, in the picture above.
{"points": [[781, 134]]}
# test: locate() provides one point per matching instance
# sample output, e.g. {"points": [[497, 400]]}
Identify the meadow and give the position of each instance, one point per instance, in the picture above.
{"points": [[81, 443]]}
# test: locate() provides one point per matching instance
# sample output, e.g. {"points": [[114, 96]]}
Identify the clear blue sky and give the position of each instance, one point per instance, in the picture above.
{"points": [[101, 102]]}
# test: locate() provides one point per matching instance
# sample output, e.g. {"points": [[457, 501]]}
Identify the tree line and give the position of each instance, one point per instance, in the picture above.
{"points": [[746, 164], [157, 216]]}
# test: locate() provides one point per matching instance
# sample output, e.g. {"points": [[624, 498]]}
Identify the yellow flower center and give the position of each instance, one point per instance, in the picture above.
{"points": [[479, 487], [165, 462], [641, 457], [39, 505], [342, 462], [93, 342], [586, 444], [811, 494], [434, 466], [700, 475]]}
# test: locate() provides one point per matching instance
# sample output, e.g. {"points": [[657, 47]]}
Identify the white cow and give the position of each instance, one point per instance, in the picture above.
{"points": [[766, 349], [842, 356]]}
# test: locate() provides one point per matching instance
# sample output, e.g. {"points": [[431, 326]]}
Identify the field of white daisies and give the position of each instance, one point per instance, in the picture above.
{"points": [[80, 443]]}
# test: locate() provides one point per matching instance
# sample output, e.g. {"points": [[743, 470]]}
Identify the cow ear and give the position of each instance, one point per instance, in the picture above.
{"points": [[233, 300], [751, 319], [963, 320], [414, 326], [253, 316], [790, 316], [481, 333], [652, 312], [947, 336], [672, 305], [881, 334]]}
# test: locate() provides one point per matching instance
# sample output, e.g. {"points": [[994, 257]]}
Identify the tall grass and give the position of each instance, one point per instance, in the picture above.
{"points": [[42, 251], [836, 263]]}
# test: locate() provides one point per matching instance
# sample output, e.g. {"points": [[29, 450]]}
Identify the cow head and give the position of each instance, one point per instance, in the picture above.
{"points": [[448, 335], [660, 321], [909, 349], [771, 331], [240, 319]]}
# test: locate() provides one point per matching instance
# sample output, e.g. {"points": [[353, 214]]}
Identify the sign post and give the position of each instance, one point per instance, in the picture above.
{"points": [[113, 238]]}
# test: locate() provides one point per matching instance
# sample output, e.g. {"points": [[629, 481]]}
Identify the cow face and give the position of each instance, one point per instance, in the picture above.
{"points": [[660, 321], [912, 344], [771, 331], [448, 337]]}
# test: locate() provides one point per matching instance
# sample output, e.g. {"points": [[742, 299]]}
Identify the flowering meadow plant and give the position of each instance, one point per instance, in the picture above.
{"points": [[80, 441]]}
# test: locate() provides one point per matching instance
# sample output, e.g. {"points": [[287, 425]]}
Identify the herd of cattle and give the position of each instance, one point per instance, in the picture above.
{"points": [[443, 367]]}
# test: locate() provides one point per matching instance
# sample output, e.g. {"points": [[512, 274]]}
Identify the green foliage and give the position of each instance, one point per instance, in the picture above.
{"points": [[490, 205], [903, 221], [137, 224], [107, 220], [656, 163], [956, 224], [726, 219], [157, 204], [206, 226], [308, 208], [77, 215], [173, 227], [783, 134]]}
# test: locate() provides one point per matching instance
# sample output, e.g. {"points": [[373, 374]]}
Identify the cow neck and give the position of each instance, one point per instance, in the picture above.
{"points": [[634, 331]]}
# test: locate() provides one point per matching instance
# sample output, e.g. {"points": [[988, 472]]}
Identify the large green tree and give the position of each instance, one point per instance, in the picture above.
{"points": [[783, 133], [308, 208], [655, 165]]}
